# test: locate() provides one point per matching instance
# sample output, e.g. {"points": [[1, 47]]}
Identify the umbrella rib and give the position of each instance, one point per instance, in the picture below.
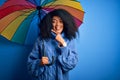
{"points": [[30, 3], [61, 5], [28, 28], [8, 25], [12, 21], [75, 4], [25, 6], [45, 2], [35, 1], [19, 27], [50, 4]]}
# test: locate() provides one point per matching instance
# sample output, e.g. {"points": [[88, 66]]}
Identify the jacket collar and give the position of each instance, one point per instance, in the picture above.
{"points": [[54, 35]]}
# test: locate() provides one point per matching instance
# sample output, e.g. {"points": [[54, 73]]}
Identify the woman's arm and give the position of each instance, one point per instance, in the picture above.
{"points": [[68, 58], [34, 60]]}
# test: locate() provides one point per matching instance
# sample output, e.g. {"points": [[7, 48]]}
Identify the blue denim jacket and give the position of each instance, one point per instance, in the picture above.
{"points": [[65, 59]]}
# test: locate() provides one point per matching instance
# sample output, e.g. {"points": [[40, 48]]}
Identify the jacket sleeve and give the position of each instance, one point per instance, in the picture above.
{"points": [[34, 67], [68, 57]]}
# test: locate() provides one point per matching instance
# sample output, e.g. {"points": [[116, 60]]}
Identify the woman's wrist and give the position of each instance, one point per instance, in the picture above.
{"points": [[64, 44]]}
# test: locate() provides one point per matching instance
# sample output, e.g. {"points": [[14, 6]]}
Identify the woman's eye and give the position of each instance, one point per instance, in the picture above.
{"points": [[53, 21], [61, 21]]}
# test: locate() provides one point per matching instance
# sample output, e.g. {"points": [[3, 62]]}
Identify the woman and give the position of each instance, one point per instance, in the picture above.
{"points": [[54, 54]]}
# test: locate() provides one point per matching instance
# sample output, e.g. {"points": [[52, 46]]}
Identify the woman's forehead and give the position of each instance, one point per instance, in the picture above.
{"points": [[56, 18]]}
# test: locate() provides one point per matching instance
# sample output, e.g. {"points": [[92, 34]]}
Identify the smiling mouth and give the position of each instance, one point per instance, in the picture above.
{"points": [[58, 30]]}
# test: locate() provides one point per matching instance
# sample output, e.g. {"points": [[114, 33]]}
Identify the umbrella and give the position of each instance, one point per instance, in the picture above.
{"points": [[19, 18]]}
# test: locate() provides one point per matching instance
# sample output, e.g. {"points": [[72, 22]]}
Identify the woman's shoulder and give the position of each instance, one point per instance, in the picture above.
{"points": [[38, 40]]}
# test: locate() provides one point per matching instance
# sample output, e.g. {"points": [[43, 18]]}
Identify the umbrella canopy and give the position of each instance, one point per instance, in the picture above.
{"points": [[19, 18]]}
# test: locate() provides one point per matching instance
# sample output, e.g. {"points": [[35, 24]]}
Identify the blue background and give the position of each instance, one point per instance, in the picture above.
{"points": [[98, 46]]}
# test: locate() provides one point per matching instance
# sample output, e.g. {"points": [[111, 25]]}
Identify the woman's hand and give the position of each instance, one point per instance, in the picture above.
{"points": [[59, 38], [44, 61]]}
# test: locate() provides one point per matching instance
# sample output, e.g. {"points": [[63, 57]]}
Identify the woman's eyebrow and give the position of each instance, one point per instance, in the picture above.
{"points": [[56, 19], [53, 19]]}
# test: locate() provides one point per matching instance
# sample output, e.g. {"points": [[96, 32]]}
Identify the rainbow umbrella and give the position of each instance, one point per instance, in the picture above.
{"points": [[19, 18]]}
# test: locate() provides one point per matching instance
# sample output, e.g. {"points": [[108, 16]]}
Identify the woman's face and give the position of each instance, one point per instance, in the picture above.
{"points": [[57, 24]]}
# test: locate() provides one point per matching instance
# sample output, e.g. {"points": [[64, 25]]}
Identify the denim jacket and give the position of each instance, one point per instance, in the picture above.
{"points": [[65, 59]]}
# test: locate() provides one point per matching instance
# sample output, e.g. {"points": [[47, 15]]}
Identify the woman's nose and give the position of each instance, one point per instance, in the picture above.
{"points": [[57, 23]]}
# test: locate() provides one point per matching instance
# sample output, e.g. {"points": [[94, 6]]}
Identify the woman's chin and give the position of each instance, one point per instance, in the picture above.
{"points": [[58, 32]]}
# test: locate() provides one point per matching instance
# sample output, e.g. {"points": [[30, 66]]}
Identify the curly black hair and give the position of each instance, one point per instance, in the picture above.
{"points": [[70, 29]]}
